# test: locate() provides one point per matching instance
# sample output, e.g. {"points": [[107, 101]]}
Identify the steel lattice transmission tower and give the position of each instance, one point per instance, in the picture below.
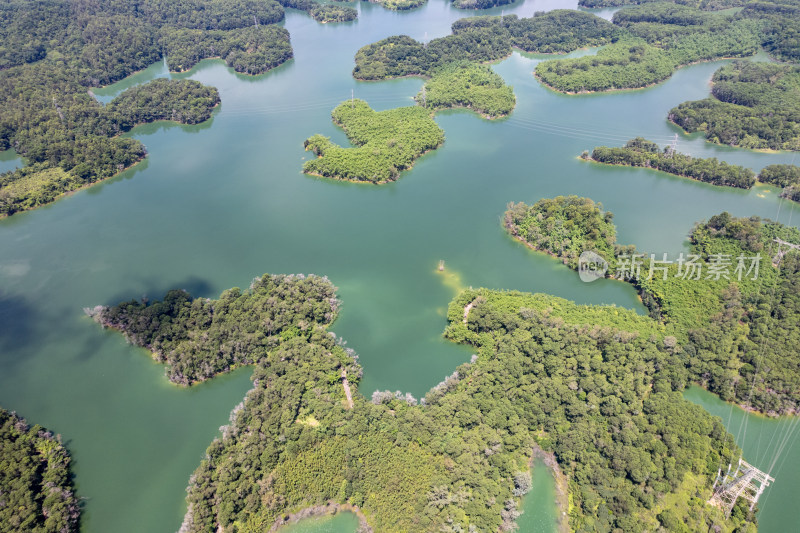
{"points": [[746, 482]]}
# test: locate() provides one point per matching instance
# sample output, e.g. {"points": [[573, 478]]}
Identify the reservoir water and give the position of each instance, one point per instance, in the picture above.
{"points": [[217, 204]]}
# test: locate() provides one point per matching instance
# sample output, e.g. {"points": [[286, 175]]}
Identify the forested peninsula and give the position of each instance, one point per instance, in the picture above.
{"points": [[644, 45], [458, 459], [654, 40], [752, 105], [53, 52], [482, 39], [77, 143], [640, 152], [730, 307], [786, 176], [36, 492]]}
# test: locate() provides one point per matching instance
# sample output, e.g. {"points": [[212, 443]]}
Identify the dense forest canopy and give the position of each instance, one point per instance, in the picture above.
{"points": [[76, 140], [468, 85], [604, 400], [564, 226], [740, 314], [780, 175], [700, 4], [753, 105], [781, 35], [657, 39], [386, 143], [52, 52], [645, 44], [250, 50], [482, 39], [640, 152], [199, 338], [36, 492], [322, 12]]}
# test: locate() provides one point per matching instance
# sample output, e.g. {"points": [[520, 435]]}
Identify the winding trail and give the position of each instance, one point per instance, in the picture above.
{"points": [[347, 392], [467, 309]]}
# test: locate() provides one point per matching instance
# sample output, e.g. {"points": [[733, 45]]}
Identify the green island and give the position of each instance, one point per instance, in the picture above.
{"points": [[468, 85], [323, 13], [387, 142], [655, 40], [736, 333], [36, 492], [65, 156], [548, 374], [752, 105], [479, 4], [70, 47], [640, 152], [482, 39], [564, 227]]}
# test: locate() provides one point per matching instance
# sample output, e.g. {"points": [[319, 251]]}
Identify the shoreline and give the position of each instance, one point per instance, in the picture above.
{"points": [[649, 85], [72, 191], [562, 485], [329, 508], [590, 160], [121, 171], [706, 139]]}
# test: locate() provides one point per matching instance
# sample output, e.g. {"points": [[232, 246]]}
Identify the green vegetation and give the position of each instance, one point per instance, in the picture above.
{"points": [[322, 12], [250, 50], [781, 36], [482, 39], [387, 142], [786, 176], [626, 64], [77, 143], [734, 313], [400, 5], [52, 52], [700, 4], [469, 85], [36, 494], [564, 227], [603, 398], [753, 105], [658, 38], [479, 4], [199, 338], [792, 193], [332, 13], [780, 175], [640, 152]]}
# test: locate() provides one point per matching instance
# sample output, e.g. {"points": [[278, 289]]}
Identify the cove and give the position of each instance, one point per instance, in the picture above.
{"points": [[769, 444], [217, 204], [539, 510]]}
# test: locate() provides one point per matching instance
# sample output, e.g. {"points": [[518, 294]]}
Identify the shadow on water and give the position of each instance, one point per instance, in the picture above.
{"points": [[194, 285], [16, 317]]}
